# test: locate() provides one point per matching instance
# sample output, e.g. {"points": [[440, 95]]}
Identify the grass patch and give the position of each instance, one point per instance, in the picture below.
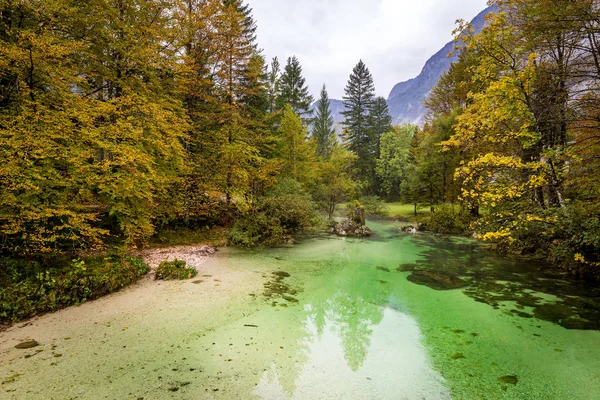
{"points": [[405, 212]]}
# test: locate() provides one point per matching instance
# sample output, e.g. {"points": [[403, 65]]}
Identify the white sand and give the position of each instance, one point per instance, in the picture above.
{"points": [[86, 350]]}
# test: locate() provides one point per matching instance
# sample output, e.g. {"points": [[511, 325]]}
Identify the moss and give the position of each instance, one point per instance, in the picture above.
{"points": [[174, 270]]}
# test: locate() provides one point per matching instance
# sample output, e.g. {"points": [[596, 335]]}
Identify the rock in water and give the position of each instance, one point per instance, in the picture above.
{"points": [[27, 345], [349, 228], [512, 379], [437, 280]]}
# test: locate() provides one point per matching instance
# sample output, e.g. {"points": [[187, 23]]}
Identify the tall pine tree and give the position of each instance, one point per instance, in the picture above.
{"points": [[322, 129], [273, 84], [379, 122], [294, 90], [358, 101]]}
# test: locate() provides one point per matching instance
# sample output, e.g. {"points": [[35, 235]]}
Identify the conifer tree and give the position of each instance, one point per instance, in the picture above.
{"points": [[294, 90], [273, 84], [358, 101], [322, 128], [379, 122]]}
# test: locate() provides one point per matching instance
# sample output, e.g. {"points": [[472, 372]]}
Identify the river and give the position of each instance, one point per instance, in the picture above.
{"points": [[395, 316]]}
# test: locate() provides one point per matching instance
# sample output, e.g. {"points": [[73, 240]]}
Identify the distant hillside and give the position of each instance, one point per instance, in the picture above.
{"points": [[406, 98]]}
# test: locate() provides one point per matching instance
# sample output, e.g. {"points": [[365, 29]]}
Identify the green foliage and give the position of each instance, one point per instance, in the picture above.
{"points": [[379, 122], [86, 144], [394, 158], [174, 270], [356, 213], [296, 155], [335, 180], [360, 139], [374, 207], [275, 218], [322, 126], [29, 288], [447, 220], [294, 91]]}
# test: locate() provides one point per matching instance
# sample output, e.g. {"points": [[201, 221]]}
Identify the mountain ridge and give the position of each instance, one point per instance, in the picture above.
{"points": [[406, 98]]}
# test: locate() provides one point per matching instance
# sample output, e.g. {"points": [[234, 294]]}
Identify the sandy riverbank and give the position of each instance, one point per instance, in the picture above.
{"points": [[91, 346]]}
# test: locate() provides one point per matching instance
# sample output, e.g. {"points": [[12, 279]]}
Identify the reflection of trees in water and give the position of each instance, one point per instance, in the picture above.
{"points": [[550, 293], [352, 305]]}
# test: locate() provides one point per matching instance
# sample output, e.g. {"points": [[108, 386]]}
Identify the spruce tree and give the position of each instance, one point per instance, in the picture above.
{"points": [[358, 101], [379, 122], [273, 84], [322, 130], [294, 90]]}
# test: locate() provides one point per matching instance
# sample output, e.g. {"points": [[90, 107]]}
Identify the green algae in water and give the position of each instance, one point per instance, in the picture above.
{"points": [[350, 336]]}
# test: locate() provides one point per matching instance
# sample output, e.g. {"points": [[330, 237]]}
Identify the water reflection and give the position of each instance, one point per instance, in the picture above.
{"points": [[383, 361], [519, 287]]}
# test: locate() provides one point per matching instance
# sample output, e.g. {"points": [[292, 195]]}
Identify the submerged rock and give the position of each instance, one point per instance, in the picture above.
{"points": [[512, 379], [27, 345], [384, 269], [406, 268], [408, 229], [437, 280]]}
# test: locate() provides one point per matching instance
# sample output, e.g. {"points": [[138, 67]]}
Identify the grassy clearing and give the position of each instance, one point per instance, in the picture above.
{"points": [[404, 211]]}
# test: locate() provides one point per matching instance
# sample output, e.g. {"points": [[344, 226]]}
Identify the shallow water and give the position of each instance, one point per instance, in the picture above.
{"points": [[348, 324]]}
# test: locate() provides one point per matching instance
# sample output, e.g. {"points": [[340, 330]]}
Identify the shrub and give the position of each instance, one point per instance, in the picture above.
{"points": [[356, 213], [447, 220], [375, 207], [174, 270], [29, 289], [576, 242], [275, 218]]}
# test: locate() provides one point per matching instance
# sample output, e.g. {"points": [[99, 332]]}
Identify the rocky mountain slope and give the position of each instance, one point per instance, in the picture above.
{"points": [[406, 98]]}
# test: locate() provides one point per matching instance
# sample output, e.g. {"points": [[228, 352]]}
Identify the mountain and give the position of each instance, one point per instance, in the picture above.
{"points": [[406, 98]]}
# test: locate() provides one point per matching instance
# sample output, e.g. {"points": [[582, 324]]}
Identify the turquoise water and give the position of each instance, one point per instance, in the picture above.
{"points": [[360, 331], [338, 318]]}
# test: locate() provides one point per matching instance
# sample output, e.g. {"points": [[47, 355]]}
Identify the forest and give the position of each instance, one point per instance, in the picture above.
{"points": [[123, 120]]}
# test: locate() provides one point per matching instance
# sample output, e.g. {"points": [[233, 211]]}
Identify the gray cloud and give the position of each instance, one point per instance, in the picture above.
{"points": [[393, 37]]}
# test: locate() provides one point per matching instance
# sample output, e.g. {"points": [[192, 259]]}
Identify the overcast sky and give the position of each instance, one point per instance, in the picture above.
{"points": [[393, 37]]}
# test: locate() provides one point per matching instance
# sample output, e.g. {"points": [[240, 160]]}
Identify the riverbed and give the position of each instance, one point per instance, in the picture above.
{"points": [[395, 316]]}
